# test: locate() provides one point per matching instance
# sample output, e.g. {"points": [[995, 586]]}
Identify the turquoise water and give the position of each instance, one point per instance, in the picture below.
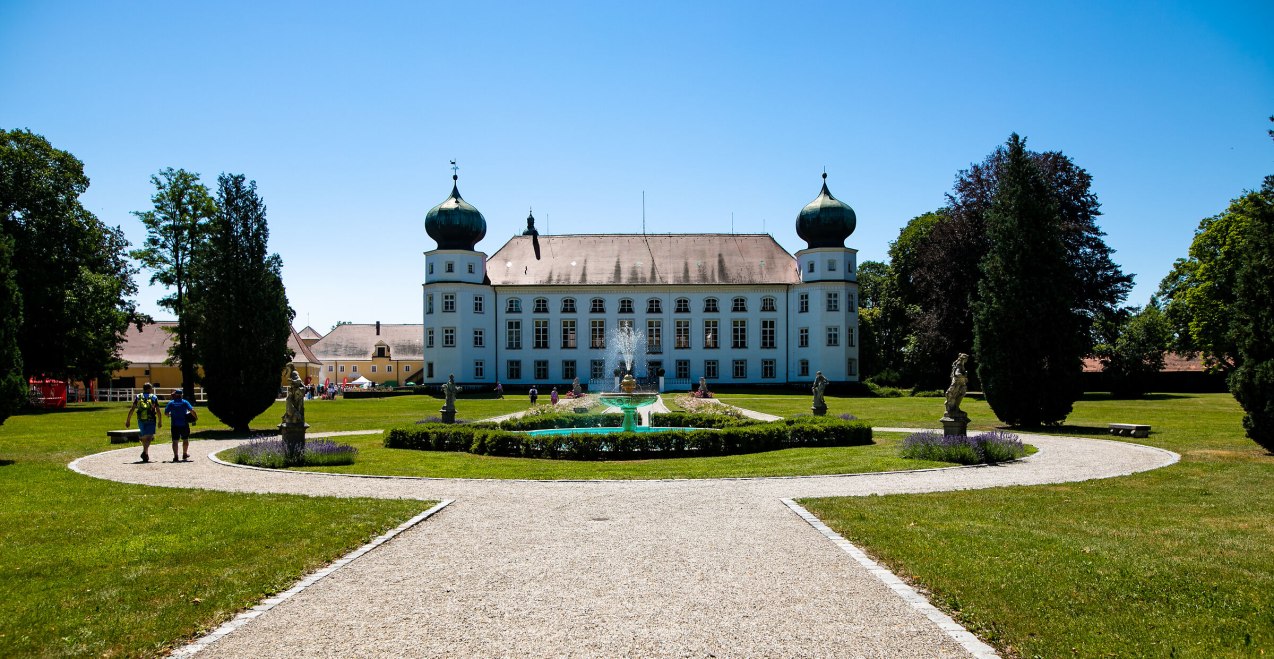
{"points": [[598, 431]]}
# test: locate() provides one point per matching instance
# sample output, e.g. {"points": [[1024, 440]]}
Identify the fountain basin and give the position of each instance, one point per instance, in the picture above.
{"points": [[628, 401], [553, 432]]}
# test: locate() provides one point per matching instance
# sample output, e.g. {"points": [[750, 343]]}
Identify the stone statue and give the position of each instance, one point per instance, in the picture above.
{"points": [[294, 413], [629, 384], [959, 386], [703, 385], [820, 385], [576, 389], [449, 404]]}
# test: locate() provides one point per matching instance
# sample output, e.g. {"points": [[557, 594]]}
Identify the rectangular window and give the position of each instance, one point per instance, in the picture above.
{"points": [[597, 305], [429, 303], [804, 369], [540, 335], [740, 369], [568, 333], [389, 368], [767, 333], [739, 305], [851, 367], [479, 338], [354, 368], [470, 268], [710, 305], [803, 302], [682, 305], [568, 305], [429, 371], [768, 369], [513, 334], [833, 301], [451, 266], [373, 368], [448, 302], [479, 369], [803, 337], [382, 351], [767, 303], [831, 265], [596, 369], [568, 369], [540, 305], [342, 368], [479, 304], [683, 369], [811, 266], [681, 334], [429, 337], [329, 368], [710, 334], [448, 337], [541, 369], [513, 369], [849, 301], [654, 336], [849, 337], [738, 334], [597, 334], [710, 369], [406, 368], [625, 323], [833, 336]]}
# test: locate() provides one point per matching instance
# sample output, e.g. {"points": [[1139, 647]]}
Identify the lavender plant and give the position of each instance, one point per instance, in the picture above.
{"points": [[985, 448], [269, 452]]}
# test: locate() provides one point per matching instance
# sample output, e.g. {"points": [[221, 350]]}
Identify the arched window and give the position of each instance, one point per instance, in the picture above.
{"points": [[653, 305], [625, 305], [710, 305], [514, 305], [541, 305], [767, 303], [681, 305], [568, 305], [739, 304], [597, 305]]}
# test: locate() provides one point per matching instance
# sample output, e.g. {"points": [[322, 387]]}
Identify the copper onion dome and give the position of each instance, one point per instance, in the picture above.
{"points": [[455, 223], [826, 221]]}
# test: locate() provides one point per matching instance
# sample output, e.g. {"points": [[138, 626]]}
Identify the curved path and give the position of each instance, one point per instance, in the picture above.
{"points": [[688, 567]]}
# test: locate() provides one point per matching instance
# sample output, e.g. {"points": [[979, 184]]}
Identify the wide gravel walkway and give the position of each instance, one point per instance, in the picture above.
{"points": [[608, 568]]}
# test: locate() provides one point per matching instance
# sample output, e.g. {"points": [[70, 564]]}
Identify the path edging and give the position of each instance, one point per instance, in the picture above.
{"points": [[920, 603], [268, 603]]}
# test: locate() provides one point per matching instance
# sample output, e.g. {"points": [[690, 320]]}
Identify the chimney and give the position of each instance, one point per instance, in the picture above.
{"points": [[378, 328]]}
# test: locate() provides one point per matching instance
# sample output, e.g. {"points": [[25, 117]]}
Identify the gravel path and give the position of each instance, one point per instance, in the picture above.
{"points": [[631, 568]]}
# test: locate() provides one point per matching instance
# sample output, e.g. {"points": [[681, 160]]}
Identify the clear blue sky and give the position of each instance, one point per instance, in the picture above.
{"points": [[347, 115]]}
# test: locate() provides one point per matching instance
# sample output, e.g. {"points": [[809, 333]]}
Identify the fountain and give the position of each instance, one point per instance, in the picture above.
{"points": [[628, 400]]}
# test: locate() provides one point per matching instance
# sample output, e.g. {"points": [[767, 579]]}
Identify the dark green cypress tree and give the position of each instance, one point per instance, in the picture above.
{"points": [[13, 387], [1252, 383], [244, 320], [1028, 341]]}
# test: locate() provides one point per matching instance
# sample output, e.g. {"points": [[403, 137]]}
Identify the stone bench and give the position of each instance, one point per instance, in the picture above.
{"points": [[124, 436], [1129, 429]]}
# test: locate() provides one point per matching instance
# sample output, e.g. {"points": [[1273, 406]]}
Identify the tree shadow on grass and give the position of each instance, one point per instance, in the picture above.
{"points": [[6, 463]]}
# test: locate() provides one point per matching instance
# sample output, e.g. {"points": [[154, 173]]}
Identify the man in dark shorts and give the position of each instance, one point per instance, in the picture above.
{"points": [[182, 414], [146, 404]]}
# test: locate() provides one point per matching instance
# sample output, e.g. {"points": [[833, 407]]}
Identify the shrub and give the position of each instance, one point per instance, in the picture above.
{"points": [[732, 439], [269, 452], [698, 420], [985, 448]]}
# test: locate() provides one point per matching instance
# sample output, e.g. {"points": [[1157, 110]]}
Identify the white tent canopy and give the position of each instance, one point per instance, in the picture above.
{"points": [[361, 382]]}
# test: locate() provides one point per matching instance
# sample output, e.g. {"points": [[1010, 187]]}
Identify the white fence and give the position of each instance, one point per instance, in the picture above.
{"points": [[128, 393]]}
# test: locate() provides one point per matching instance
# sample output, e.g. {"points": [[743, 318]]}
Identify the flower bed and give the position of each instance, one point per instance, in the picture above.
{"points": [[269, 452], [984, 448]]}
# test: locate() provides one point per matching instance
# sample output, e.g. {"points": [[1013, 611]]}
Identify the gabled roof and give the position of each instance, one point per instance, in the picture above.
{"points": [[359, 341], [638, 259], [301, 352], [149, 345], [309, 333]]}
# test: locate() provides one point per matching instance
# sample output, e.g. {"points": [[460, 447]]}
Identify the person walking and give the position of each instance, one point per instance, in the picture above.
{"points": [[553, 395], [534, 394], [146, 404], [182, 414]]}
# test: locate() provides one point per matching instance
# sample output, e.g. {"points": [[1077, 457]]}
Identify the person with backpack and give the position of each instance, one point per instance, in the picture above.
{"points": [[146, 404], [183, 414]]}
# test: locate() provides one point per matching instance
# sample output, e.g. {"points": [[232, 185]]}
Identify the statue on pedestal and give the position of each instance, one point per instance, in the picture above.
{"points": [[819, 408], [576, 389], [449, 402], [293, 427], [956, 421]]}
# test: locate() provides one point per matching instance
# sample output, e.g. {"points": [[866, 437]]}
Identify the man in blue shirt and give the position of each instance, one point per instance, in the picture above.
{"points": [[182, 414], [146, 404]]}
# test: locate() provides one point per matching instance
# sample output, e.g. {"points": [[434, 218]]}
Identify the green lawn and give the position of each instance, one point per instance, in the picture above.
{"points": [[374, 458], [1172, 562], [93, 567]]}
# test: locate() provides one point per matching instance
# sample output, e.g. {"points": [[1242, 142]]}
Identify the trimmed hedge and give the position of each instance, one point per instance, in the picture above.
{"points": [[743, 438]]}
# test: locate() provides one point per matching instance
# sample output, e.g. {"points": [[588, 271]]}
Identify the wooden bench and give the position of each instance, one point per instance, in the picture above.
{"points": [[124, 436], [1129, 429]]}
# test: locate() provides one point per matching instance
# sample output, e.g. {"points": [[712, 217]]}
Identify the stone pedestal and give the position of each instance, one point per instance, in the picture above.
{"points": [[955, 424], [448, 414], [819, 410], [293, 440]]}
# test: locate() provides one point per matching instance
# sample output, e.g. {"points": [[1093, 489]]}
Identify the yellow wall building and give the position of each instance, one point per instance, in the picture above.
{"points": [[377, 352]]}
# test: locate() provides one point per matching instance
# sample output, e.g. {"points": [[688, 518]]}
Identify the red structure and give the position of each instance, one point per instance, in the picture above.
{"points": [[51, 393]]}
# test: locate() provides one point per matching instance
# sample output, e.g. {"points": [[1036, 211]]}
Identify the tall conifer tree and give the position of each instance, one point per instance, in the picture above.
{"points": [[1028, 337], [13, 386], [1252, 327], [244, 317]]}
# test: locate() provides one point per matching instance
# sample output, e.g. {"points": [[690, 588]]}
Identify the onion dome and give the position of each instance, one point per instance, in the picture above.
{"points": [[826, 221], [455, 223]]}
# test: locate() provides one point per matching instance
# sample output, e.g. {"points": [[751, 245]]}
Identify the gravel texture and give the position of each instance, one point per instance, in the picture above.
{"points": [[608, 568]]}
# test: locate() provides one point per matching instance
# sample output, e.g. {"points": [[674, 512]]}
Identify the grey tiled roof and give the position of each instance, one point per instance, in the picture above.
{"points": [[636, 259], [355, 341], [150, 344]]}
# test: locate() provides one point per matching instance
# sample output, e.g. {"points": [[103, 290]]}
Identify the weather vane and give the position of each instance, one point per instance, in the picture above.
{"points": [[455, 170]]}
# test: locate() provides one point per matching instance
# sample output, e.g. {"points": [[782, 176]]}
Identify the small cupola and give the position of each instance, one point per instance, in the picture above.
{"points": [[826, 221]]}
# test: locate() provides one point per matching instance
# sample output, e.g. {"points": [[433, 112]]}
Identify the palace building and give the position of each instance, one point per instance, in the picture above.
{"points": [[731, 308]]}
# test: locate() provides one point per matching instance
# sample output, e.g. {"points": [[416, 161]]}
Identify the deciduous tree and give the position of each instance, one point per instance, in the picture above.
{"points": [[1132, 346], [13, 387]]}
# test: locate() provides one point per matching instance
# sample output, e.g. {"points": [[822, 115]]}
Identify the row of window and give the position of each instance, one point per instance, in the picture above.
{"points": [[653, 305], [540, 339], [597, 369], [450, 266], [831, 265], [353, 368]]}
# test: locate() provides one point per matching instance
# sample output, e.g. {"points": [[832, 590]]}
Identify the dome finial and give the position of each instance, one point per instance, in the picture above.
{"points": [[455, 171]]}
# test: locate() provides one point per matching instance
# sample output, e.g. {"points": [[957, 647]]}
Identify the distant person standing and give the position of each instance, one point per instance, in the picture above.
{"points": [[146, 404], [499, 390], [553, 395], [182, 414], [534, 394]]}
